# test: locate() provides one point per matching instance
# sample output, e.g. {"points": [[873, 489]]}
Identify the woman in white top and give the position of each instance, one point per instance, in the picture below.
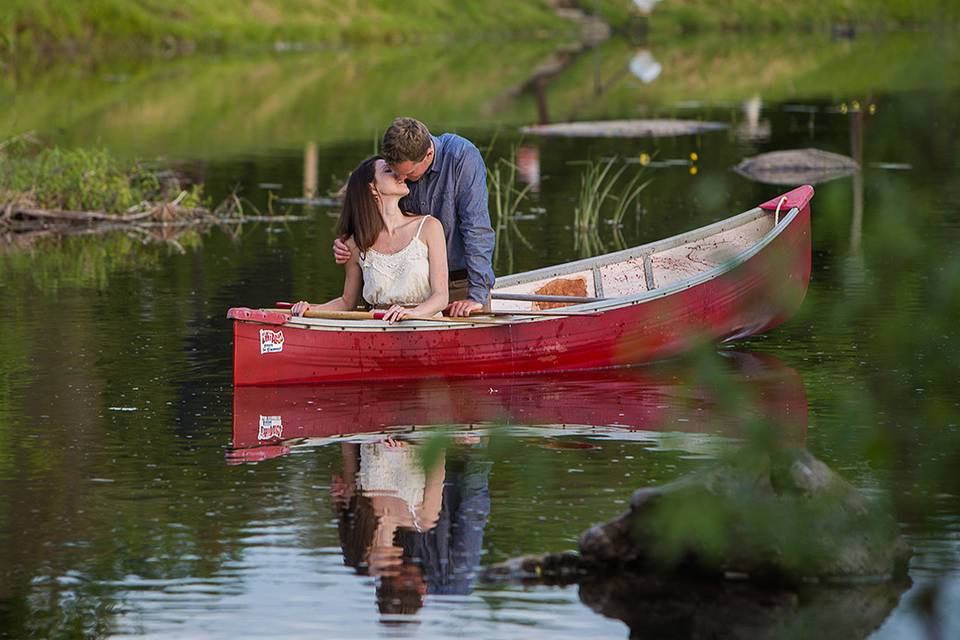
{"points": [[398, 260]]}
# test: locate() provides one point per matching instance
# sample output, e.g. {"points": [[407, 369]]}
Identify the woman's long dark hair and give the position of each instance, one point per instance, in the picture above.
{"points": [[360, 216]]}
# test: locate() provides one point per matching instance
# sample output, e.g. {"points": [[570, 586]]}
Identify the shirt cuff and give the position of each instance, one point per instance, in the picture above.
{"points": [[478, 294]]}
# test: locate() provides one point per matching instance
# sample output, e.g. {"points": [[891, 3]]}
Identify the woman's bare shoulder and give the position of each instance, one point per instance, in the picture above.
{"points": [[432, 223]]}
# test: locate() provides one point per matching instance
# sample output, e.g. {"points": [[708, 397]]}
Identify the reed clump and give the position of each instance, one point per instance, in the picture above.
{"points": [[505, 200], [602, 191]]}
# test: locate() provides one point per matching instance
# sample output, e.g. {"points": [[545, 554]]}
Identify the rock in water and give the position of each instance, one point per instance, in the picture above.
{"points": [[796, 166], [670, 607], [784, 517]]}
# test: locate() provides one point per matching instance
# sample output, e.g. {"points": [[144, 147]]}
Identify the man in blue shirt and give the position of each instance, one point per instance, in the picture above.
{"points": [[448, 180]]}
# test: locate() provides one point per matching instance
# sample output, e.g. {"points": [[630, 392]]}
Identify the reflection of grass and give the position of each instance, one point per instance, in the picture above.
{"points": [[208, 108], [738, 14], [505, 200], [727, 67], [55, 263], [205, 108]]}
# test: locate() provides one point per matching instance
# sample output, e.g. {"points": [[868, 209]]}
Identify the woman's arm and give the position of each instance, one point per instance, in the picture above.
{"points": [[439, 274], [429, 511], [352, 287]]}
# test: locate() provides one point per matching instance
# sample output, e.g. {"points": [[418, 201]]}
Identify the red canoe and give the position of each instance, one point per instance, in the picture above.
{"points": [[725, 281], [598, 405]]}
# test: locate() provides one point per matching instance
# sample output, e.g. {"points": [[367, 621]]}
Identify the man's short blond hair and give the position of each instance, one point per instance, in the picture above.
{"points": [[405, 139]]}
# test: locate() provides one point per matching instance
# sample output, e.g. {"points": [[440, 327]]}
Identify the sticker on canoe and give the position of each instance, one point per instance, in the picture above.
{"points": [[271, 341], [271, 428]]}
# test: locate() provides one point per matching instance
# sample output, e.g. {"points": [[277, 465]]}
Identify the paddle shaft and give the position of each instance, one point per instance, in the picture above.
{"points": [[378, 315], [497, 312]]}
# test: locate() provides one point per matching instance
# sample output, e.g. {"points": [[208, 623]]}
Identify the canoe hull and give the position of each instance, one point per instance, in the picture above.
{"points": [[749, 297]]}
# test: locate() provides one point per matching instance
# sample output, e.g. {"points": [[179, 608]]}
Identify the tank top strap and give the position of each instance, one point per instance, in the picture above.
{"points": [[420, 228]]}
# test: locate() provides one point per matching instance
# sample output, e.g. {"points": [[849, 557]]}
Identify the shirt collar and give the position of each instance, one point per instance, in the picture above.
{"points": [[437, 148]]}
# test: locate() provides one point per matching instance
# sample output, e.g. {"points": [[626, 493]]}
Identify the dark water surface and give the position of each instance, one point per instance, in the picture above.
{"points": [[138, 496]]}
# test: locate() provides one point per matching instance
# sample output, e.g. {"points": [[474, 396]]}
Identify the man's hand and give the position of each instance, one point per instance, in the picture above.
{"points": [[341, 252], [463, 308]]}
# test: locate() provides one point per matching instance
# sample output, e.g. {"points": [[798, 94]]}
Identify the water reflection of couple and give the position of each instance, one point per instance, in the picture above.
{"points": [[408, 215], [417, 531]]}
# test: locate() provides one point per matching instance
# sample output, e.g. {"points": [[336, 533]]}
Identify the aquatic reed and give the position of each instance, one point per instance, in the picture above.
{"points": [[598, 185], [505, 201]]}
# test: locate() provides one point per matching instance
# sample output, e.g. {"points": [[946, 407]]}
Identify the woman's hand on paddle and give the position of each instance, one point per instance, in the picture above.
{"points": [[394, 313], [341, 252], [300, 308]]}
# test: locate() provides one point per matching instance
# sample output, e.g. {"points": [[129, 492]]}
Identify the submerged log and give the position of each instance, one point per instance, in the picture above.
{"points": [[625, 128], [797, 166]]}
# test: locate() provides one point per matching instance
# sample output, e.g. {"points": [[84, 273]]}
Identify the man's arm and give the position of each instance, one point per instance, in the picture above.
{"points": [[473, 216]]}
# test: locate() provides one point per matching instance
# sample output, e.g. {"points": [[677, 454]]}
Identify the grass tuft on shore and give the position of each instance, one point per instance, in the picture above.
{"points": [[59, 179]]}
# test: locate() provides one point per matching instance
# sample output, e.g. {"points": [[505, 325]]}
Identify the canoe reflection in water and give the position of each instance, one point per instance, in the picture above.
{"points": [[611, 404], [419, 531]]}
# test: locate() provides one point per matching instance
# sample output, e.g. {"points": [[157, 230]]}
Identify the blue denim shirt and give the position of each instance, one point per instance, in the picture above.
{"points": [[454, 190]]}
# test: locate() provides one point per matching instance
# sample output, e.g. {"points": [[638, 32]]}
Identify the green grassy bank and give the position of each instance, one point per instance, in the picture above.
{"points": [[43, 28], [32, 30], [693, 15]]}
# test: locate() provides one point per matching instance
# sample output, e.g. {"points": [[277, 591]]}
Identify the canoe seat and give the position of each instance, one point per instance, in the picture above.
{"points": [[579, 283], [561, 287]]}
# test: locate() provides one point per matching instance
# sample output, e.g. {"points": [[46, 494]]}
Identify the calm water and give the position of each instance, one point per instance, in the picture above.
{"points": [[137, 497]]}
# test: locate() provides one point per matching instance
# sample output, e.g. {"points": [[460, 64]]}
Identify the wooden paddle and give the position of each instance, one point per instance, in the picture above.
{"points": [[378, 315], [497, 312]]}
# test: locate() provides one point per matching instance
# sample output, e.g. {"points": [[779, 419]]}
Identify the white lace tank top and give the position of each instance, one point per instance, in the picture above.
{"points": [[391, 472], [397, 278]]}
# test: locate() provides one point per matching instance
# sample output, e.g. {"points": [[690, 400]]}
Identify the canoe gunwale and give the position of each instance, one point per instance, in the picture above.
{"points": [[640, 251], [583, 265]]}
